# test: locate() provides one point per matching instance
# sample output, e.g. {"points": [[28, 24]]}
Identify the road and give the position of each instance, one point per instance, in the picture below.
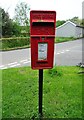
{"points": [[65, 54]]}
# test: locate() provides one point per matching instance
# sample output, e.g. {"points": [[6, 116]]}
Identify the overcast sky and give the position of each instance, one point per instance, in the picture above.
{"points": [[65, 9]]}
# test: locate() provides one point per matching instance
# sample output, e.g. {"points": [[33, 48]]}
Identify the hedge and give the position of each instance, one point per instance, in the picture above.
{"points": [[24, 42], [16, 42]]}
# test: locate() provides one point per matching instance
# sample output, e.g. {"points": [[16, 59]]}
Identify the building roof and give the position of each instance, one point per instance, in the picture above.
{"points": [[66, 23], [70, 23]]}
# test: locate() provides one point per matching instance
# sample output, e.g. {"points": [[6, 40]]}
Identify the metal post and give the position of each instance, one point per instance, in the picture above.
{"points": [[40, 91]]}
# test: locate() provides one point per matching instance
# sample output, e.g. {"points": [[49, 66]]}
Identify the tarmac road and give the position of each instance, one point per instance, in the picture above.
{"points": [[65, 54], [69, 53]]}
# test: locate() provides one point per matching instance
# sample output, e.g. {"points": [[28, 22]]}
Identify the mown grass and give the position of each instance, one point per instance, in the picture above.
{"points": [[0, 95], [64, 39], [24, 42], [62, 93]]}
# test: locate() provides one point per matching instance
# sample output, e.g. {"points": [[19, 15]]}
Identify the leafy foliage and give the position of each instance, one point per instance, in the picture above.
{"points": [[55, 71], [16, 29], [82, 22], [60, 22], [6, 24], [76, 20], [9, 28], [22, 15], [14, 43]]}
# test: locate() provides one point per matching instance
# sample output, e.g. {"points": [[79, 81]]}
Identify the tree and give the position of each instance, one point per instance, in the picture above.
{"points": [[6, 23], [15, 29], [60, 22], [22, 15], [9, 27], [82, 23], [76, 20]]}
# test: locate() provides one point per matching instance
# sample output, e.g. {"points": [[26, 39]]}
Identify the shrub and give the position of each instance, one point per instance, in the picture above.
{"points": [[14, 42], [55, 71]]}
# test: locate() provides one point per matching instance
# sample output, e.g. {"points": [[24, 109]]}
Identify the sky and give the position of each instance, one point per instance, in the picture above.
{"points": [[65, 9]]}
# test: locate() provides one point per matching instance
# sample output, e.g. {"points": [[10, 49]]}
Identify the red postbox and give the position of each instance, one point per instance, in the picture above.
{"points": [[42, 33]]}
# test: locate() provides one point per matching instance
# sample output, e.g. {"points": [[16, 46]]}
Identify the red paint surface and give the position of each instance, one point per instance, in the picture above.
{"points": [[42, 30]]}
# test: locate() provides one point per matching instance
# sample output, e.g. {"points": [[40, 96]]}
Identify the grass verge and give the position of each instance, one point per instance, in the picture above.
{"points": [[64, 39], [62, 93]]}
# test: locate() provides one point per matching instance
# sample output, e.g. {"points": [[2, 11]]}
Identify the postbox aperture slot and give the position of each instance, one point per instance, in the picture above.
{"points": [[43, 23], [43, 38], [42, 51]]}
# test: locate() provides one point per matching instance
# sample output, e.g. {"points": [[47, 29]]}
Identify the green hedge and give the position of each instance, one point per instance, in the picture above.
{"points": [[16, 42], [24, 42]]}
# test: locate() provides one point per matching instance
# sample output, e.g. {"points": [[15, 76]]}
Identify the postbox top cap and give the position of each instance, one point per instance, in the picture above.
{"points": [[43, 11]]}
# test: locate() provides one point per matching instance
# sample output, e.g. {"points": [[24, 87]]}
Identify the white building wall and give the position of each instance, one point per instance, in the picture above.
{"points": [[67, 30]]}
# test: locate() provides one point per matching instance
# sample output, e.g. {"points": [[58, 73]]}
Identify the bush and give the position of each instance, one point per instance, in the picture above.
{"points": [[15, 42], [55, 71]]}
